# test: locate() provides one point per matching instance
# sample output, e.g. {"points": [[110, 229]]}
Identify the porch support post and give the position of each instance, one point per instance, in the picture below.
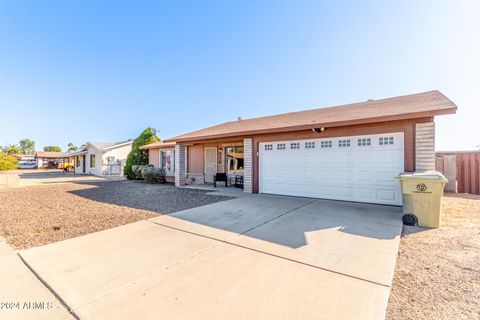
{"points": [[180, 170], [248, 165]]}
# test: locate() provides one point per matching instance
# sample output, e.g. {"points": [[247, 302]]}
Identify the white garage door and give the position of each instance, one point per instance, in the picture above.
{"points": [[355, 168]]}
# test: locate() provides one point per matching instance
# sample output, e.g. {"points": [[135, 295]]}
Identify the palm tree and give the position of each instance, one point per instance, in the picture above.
{"points": [[12, 149]]}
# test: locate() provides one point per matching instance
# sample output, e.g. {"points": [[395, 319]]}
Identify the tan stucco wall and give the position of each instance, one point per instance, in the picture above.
{"points": [[195, 159], [153, 155]]}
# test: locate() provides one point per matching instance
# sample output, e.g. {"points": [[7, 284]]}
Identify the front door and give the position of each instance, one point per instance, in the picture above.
{"points": [[210, 163]]}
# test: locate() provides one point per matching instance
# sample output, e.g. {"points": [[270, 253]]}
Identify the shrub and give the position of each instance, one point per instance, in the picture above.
{"points": [[137, 171], [153, 175], [138, 156], [7, 162]]}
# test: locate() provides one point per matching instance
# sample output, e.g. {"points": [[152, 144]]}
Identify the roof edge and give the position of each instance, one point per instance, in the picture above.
{"points": [[405, 116]]}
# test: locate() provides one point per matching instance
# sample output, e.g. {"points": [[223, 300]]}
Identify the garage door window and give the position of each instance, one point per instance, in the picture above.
{"points": [[295, 145], [344, 143], [281, 146], [269, 147], [385, 140], [364, 142], [309, 144], [326, 144]]}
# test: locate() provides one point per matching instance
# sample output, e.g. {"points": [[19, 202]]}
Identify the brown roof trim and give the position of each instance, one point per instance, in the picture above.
{"points": [[405, 116], [425, 104], [454, 152], [159, 145]]}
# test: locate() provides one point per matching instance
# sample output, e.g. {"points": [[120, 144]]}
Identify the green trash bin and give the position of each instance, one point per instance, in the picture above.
{"points": [[422, 195]]}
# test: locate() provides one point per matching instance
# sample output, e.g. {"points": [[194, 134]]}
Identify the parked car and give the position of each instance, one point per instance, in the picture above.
{"points": [[66, 167], [28, 165]]}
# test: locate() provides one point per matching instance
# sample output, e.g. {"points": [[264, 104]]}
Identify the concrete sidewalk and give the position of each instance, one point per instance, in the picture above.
{"points": [[22, 295], [268, 257]]}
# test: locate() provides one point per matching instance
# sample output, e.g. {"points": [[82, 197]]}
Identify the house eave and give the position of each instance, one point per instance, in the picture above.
{"points": [[406, 116]]}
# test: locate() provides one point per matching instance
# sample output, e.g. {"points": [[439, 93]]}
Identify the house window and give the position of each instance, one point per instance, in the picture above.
{"points": [[92, 161], [326, 144], [364, 142], [309, 144], [295, 145], [269, 147], [281, 146], [344, 143], [234, 160], [385, 140], [111, 160], [78, 161], [167, 162]]}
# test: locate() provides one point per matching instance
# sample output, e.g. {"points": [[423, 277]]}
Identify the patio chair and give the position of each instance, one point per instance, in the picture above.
{"points": [[220, 177], [239, 181]]}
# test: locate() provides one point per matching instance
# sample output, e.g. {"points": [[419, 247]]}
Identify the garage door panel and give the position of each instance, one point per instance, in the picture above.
{"points": [[355, 172], [387, 195], [386, 176], [364, 193], [365, 176]]}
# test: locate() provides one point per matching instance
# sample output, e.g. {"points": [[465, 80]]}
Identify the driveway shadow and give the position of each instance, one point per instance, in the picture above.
{"points": [[162, 199], [290, 221], [287, 221]]}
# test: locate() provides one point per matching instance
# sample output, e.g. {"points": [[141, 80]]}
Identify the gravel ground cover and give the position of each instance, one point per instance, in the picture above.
{"points": [[38, 215], [437, 275]]}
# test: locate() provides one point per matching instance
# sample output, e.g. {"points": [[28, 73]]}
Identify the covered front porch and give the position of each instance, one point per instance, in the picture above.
{"points": [[199, 163]]}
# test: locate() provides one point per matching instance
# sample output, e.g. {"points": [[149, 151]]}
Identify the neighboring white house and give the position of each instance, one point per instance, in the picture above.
{"points": [[102, 158]]}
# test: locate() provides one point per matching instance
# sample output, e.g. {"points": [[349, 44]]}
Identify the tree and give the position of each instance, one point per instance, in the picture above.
{"points": [[12, 149], [52, 148], [72, 147], [27, 146], [7, 162], [139, 156]]}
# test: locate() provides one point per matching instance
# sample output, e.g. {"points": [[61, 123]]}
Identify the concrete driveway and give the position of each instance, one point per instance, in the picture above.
{"points": [[255, 257]]}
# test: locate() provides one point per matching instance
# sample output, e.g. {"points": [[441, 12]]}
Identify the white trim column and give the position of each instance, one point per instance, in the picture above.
{"points": [[180, 170], [248, 165]]}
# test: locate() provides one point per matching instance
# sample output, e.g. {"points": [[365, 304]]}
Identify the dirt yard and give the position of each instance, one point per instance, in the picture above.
{"points": [[37, 215], [437, 275]]}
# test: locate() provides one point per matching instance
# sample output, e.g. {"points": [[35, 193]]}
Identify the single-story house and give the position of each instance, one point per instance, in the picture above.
{"points": [[102, 158], [52, 159], [350, 152]]}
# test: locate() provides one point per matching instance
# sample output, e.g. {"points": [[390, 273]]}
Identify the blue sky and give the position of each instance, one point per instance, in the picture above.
{"points": [[77, 71]]}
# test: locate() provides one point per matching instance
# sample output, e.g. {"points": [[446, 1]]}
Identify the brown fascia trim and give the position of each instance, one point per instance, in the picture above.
{"points": [[407, 116], [157, 147], [455, 152]]}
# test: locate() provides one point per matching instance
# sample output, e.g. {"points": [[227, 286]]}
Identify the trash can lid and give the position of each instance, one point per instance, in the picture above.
{"points": [[428, 175]]}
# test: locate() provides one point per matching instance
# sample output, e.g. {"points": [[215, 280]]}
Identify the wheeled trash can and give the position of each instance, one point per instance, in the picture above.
{"points": [[422, 196]]}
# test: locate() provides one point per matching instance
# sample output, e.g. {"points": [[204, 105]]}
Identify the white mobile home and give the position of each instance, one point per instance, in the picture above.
{"points": [[102, 158]]}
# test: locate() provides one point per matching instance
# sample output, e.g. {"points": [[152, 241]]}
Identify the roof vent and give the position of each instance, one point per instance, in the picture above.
{"points": [[239, 118], [370, 100]]}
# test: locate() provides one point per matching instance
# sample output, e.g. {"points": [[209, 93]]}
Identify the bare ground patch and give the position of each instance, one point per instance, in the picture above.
{"points": [[38, 215], [437, 275]]}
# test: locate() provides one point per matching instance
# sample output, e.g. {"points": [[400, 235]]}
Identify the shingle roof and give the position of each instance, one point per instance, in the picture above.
{"points": [[403, 107], [49, 154], [157, 145], [105, 145]]}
